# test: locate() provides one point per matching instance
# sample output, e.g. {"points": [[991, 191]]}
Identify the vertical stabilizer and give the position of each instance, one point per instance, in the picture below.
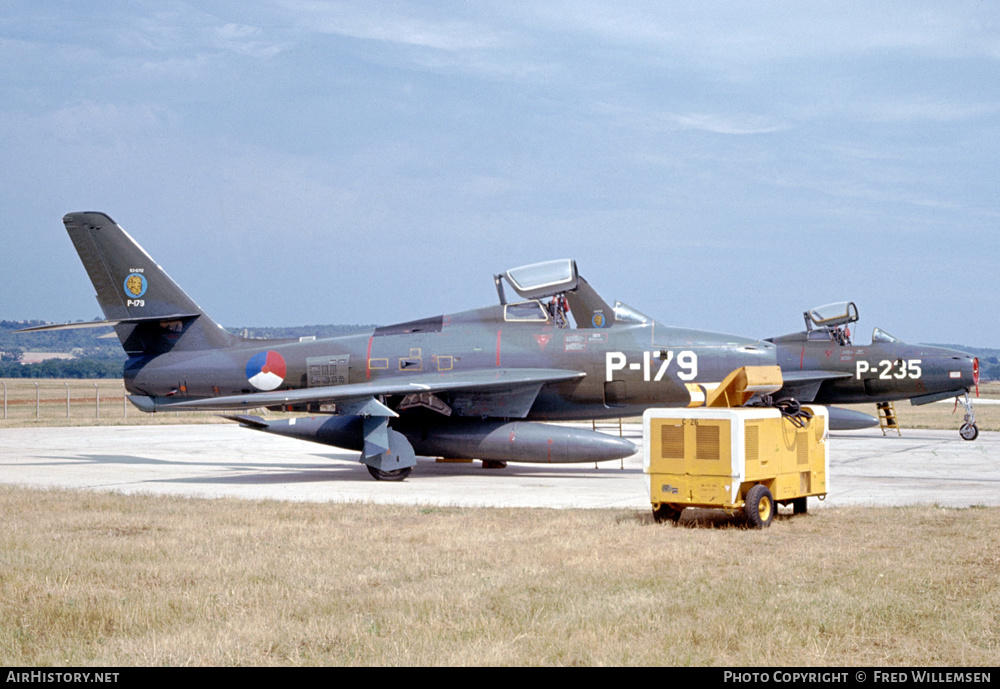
{"points": [[131, 287]]}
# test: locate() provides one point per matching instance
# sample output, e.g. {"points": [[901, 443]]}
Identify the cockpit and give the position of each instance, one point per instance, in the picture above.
{"points": [[833, 322], [554, 291], [880, 335]]}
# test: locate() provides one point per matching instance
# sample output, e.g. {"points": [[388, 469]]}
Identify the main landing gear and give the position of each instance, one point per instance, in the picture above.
{"points": [[394, 475]]}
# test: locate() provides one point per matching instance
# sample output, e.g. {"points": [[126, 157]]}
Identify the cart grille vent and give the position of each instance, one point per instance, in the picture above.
{"points": [[671, 442], [708, 442], [802, 446], [753, 443]]}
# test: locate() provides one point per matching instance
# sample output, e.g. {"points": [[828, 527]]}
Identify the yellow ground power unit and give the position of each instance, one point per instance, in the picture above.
{"points": [[745, 459]]}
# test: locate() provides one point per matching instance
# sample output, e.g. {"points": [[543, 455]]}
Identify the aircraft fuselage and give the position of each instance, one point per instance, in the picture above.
{"points": [[628, 366], [877, 372]]}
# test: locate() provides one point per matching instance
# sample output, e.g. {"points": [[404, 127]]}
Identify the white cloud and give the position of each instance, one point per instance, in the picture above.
{"points": [[92, 122], [191, 33], [717, 123], [736, 32], [726, 124], [245, 40], [376, 22], [928, 109]]}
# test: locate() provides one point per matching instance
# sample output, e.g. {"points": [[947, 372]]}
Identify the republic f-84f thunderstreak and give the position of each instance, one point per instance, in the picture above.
{"points": [[823, 365], [471, 385]]}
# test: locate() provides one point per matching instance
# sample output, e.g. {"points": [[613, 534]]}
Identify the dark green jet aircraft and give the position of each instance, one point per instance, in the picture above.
{"points": [[823, 365], [468, 385]]}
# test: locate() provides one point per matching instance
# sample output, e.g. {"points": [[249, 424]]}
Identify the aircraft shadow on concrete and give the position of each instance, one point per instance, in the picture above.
{"points": [[344, 469]]}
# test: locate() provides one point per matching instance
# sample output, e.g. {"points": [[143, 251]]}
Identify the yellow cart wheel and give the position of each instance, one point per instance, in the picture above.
{"points": [[759, 506], [667, 512]]}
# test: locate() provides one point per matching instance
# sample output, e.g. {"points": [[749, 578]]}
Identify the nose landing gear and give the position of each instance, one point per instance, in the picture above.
{"points": [[969, 429]]}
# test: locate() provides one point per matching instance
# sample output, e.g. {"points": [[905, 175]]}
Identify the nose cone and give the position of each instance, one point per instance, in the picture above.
{"points": [[967, 367], [970, 373]]}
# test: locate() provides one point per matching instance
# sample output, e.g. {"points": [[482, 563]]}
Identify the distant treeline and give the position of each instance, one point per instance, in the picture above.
{"points": [[989, 359], [83, 342], [64, 368], [984, 353]]}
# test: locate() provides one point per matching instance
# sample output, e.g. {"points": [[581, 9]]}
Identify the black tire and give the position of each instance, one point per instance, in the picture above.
{"points": [[395, 475], [800, 506], [969, 431], [759, 506], [667, 513]]}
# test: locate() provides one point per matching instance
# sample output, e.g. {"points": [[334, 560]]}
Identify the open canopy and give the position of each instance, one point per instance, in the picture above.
{"points": [[546, 279], [832, 315]]}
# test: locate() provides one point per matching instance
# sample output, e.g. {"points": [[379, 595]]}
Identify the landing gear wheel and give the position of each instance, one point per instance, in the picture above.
{"points": [[759, 507], [969, 431], [395, 475], [667, 513]]}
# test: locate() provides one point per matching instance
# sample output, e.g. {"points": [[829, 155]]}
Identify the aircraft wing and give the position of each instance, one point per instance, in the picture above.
{"points": [[803, 385], [499, 392]]}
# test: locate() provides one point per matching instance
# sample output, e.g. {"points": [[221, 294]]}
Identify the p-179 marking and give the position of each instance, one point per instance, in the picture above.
{"points": [[687, 362]]}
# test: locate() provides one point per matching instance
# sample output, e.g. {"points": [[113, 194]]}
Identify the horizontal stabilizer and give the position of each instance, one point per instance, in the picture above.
{"points": [[100, 324]]}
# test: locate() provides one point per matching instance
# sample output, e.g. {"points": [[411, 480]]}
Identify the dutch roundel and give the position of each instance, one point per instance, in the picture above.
{"points": [[266, 371]]}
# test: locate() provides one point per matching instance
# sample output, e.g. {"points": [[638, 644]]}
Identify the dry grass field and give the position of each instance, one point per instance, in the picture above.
{"points": [[91, 402], [104, 579]]}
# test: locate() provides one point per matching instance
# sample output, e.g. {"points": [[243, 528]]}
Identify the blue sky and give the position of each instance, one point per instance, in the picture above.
{"points": [[720, 165]]}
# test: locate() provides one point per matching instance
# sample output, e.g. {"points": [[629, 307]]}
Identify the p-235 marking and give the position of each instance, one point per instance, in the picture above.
{"points": [[899, 369]]}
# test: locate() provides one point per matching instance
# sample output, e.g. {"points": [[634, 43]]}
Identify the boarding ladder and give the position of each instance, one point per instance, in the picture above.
{"points": [[887, 417]]}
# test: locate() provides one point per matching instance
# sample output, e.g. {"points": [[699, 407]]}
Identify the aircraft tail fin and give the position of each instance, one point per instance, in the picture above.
{"points": [[154, 313]]}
